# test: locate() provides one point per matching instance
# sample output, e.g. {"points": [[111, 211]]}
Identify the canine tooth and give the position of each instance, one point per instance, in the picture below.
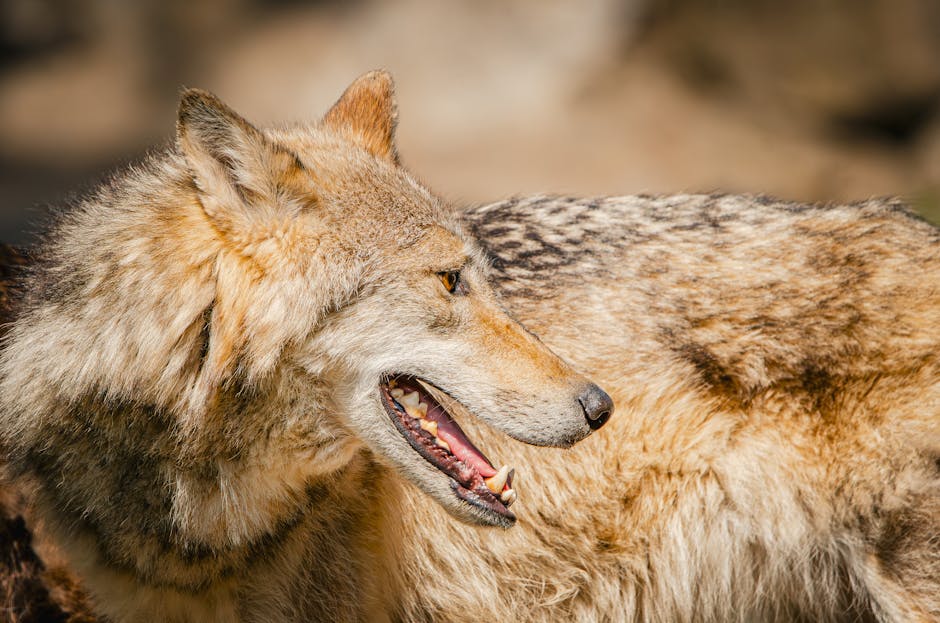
{"points": [[430, 426], [397, 393], [410, 400], [496, 482], [508, 497], [442, 444]]}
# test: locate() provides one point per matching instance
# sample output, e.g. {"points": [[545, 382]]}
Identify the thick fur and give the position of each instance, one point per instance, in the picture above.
{"points": [[776, 451], [190, 389], [188, 393]]}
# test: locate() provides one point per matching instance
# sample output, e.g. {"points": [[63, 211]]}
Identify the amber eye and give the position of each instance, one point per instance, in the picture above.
{"points": [[451, 280]]}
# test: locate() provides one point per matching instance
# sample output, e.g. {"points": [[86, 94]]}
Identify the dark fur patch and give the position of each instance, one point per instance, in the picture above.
{"points": [[205, 334], [29, 591], [524, 251], [712, 373], [25, 595]]}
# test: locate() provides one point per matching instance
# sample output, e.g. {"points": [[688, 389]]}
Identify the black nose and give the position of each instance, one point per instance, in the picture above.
{"points": [[597, 406]]}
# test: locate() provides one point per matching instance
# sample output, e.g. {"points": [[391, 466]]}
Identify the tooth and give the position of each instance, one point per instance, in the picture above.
{"points": [[430, 426], [508, 497], [419, 412], [397, 393], [496, 482], [410, 400], [442, 444]]}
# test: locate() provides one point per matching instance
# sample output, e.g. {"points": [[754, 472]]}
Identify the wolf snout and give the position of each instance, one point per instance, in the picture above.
{"points": [[596, 405]]}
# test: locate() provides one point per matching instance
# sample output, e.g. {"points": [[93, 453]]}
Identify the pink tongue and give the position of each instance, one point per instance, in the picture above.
{"points": [[460, 446]]}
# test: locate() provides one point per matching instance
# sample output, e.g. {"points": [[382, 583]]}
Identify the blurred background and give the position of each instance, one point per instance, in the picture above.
{"points": [[817, 100]]}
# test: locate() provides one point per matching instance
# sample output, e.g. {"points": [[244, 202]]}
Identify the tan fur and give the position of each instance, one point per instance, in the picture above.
{"points": [[775, 452], [368, 114], [190, 389], [191, 386]]}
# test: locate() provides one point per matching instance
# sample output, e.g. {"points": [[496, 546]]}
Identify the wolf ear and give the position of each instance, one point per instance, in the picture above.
{"points": [[234, 165], [368, 109]]}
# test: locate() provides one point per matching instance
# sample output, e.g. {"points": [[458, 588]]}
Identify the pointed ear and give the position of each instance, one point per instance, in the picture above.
{"points": [[368, 110], [233, 164]]}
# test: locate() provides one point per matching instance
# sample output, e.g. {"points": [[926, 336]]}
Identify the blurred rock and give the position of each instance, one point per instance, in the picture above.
{"points": [[865, 70]]}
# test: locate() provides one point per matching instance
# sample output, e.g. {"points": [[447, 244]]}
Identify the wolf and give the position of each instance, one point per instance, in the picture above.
{"points": [[776, 450], [220, 353], [232, 383]]}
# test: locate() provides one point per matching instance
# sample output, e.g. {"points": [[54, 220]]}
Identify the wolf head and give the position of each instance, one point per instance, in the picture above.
{"points": [[305, 253]]}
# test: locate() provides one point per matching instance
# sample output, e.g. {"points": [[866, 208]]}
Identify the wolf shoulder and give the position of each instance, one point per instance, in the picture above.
{"points": [[748, 289], [552, 231], [708, 242]]}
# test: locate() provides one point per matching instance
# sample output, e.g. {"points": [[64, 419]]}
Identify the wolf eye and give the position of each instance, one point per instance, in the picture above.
{"points": [[451, 281]]}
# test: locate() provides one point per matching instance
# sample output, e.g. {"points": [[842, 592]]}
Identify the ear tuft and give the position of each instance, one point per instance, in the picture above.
{"points": [[230, 159], [199, 108], [208, 129], [368, 109]]}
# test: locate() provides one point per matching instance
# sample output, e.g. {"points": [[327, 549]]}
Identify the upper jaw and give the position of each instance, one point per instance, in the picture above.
{"points": [[478, 492]]}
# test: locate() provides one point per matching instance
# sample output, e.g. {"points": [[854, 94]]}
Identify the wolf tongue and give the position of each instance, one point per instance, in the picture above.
{"points": [[460, 446]]}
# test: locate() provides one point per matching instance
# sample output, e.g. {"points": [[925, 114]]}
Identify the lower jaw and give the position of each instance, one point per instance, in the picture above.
{"points": [[502, 517], [485, 508]]}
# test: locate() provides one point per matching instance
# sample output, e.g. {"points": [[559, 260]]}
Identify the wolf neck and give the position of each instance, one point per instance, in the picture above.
{"points": [[95, 369], [178, 526], [256, 464]]}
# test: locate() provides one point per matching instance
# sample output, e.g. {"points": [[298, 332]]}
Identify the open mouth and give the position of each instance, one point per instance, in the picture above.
{"points": [[434, 434]]}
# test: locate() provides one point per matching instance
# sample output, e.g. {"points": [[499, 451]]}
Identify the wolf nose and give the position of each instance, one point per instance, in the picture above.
{"points": [[597, 406]]}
